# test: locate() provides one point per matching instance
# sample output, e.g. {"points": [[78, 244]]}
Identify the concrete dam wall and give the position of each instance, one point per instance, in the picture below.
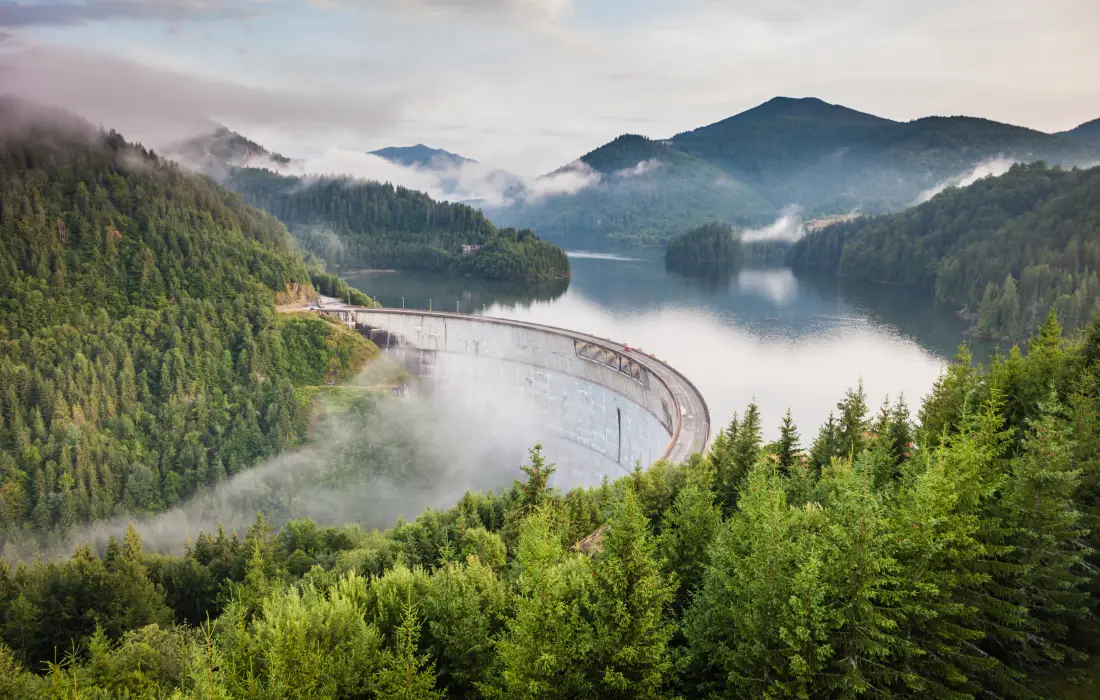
{"points": [[598, 407]]}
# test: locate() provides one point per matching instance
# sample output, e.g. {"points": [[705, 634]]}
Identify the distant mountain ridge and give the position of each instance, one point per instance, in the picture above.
{"points": [[823, 158], [421, 156]]}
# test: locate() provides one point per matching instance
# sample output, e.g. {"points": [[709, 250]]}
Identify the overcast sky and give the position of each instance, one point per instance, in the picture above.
{"points": [[528, 85]]}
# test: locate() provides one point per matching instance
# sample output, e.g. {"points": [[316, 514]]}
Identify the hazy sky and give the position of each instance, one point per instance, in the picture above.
{"points": [[530, 84]]}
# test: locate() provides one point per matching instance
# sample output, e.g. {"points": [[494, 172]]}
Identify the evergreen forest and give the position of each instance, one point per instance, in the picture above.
{"points": [[946, 554], [349, 223], [720, 244], [1004, 250], [142, 357]]}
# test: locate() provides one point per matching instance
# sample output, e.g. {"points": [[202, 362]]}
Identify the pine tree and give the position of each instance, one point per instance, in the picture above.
{"points": [[688, 529], [787, 448], [1039, 504], [406, 674], [543, 650], [853, 424], [628, 601]]}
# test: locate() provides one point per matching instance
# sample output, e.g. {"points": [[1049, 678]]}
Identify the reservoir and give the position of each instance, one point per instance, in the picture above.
{"points": [[772, 335]]}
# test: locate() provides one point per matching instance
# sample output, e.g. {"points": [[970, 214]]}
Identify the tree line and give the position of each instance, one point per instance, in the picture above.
{"points": [[1004, 249], [141, 355], [948, 555], [721, 244], [352, 223]]}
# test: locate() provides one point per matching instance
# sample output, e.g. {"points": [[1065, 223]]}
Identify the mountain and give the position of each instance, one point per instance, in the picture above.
{"points": [[142, 358], [221, 150], [822, 158], [369, 224], [1005, 249], [1089, 131], [421, 156], [769, 143], [633, 190]]}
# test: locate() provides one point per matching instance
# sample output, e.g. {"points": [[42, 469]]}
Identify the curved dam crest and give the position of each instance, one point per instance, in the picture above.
{"points": [[598, 407]]}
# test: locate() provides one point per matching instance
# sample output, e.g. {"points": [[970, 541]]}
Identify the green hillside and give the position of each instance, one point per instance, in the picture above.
{"points": [[825, 158], [1005, 249], [647, 192], [369, 224], [141, 355]]}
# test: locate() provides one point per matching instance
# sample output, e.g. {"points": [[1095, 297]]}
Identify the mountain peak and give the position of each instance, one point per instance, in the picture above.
{"points": [[420, 156]]}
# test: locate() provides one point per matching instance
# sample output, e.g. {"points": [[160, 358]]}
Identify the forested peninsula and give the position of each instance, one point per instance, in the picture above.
{"points": [[353, 223], [1004, 250], [142, 358], [721, 244]]}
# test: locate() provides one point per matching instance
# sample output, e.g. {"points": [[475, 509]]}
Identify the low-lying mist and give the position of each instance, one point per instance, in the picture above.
{"points": [[372, 458], [994, 167]]}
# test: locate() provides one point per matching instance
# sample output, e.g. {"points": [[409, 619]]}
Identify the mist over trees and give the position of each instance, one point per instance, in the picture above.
{"points": [[349, 223], [141, 355], [744, 170], [948, 554]]}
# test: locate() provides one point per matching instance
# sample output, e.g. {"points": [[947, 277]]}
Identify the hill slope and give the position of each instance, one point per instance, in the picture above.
{"points": [[643, 191], [1089, 131], [1006, 249], [824, 158], [369, 224], [141, 357]]}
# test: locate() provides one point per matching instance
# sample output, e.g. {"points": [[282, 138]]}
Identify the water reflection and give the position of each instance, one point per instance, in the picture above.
{"points": [[783, 338], [421, 290], [778, 285]]}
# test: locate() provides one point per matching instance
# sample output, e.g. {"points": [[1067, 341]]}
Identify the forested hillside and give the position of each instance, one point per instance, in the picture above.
{"points": [[1006, 249], [825, 158], [369, 224], [949, 557], [646, 190], [141, 355]]}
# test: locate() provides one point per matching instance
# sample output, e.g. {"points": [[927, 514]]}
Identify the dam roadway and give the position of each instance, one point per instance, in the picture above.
{"points": [[618, 402]]}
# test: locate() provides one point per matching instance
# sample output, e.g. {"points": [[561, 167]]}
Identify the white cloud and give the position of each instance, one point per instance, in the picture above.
{"points": [[566, 181], [641, 168], [788, 228], [994, 167]]}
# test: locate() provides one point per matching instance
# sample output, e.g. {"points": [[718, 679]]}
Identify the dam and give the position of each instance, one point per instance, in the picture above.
{"points": [[598, 407]]}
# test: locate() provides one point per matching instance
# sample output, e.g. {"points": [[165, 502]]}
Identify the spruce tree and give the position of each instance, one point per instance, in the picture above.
{"points": [[407, 674], [627, 606], [787, 448]]}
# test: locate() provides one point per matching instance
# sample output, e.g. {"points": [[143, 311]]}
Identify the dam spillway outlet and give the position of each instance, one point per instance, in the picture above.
{"points": [[597, 407]]}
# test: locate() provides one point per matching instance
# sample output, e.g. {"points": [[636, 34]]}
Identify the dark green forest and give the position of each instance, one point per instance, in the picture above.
{"points": [[352, 224], [951, 554], [141, 355], [1004, 249], [721, 244]]}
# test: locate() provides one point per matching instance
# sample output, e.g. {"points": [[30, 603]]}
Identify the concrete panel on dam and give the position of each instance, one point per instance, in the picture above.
{"points": [[598, 407]]}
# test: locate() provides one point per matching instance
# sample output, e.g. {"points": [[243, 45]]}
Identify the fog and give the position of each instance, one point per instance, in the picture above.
{"points": [[994, 167], [367, 465], [787, 228]]}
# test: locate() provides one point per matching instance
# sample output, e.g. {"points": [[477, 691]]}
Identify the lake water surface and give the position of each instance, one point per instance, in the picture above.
{"points": [[778, 337]]}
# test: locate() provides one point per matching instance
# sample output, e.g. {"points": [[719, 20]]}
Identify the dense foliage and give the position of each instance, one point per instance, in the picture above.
{"points": [[141, 355], [743, 170], [952, 557], [374, 225], [1005, 249], [720, 244]]}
